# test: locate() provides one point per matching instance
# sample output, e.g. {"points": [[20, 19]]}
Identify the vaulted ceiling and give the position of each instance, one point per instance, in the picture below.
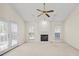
{"points": [[28, 10]]}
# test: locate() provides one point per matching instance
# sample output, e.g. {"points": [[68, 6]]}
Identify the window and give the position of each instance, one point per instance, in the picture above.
{"points": [[14, 33], [3, 35], [57, 35], [8, 35], [58, 32]]}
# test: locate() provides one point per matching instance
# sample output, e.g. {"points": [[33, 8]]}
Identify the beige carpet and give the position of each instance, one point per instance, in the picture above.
{"points": [[43, 49]]}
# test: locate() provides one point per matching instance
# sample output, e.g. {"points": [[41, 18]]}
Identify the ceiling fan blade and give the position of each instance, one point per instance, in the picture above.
{"points": [[47, 15], [39, 10], [50, 11], [40, 14]]}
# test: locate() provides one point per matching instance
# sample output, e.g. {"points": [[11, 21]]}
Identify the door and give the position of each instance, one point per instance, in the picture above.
{"points": [[8, 35], [4, 42], [14, 33]]}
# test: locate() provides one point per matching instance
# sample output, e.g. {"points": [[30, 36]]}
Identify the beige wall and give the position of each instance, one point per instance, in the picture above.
{"points": [[72, 29], [8, 13], [40, 28]]}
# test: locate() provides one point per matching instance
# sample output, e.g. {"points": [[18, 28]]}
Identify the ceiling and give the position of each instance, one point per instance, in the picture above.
{"points": [[29, 13]]}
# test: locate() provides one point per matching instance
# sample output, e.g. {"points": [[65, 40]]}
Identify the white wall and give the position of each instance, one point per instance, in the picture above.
{"points": [[8, 13], [43, 28], [71, 35]]}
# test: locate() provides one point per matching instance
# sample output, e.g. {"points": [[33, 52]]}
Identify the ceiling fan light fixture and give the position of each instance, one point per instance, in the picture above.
{"points": [[44, 12]]}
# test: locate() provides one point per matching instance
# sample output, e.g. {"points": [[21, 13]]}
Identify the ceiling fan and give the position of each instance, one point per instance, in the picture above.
{"points": [[44, 11]]}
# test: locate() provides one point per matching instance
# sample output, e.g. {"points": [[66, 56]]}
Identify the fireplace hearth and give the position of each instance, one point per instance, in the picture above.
{"points": [[44, 37]]}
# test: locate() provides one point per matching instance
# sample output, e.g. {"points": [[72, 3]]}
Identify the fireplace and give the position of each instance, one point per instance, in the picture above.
{"points": [[44, 37]]}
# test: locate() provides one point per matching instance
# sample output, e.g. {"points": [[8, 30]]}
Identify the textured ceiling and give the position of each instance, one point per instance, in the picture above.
{"points": [[28, 10]]}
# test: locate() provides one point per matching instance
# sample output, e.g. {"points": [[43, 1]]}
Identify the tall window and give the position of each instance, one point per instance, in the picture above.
{"points": [[8, 35], [58, 32], [3, 35], [14, 32]]}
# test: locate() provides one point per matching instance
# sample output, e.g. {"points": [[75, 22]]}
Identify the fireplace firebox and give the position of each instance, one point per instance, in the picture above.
{"points": [[44, 37]]}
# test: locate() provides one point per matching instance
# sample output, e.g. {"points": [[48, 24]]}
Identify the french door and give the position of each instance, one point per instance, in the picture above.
{"points": [[14, 34], [4, 42], [8, 35]]}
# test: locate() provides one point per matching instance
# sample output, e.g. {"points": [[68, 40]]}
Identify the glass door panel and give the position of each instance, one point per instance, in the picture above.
{"points": [[14, 32], [8, 35], [3, 35]]}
